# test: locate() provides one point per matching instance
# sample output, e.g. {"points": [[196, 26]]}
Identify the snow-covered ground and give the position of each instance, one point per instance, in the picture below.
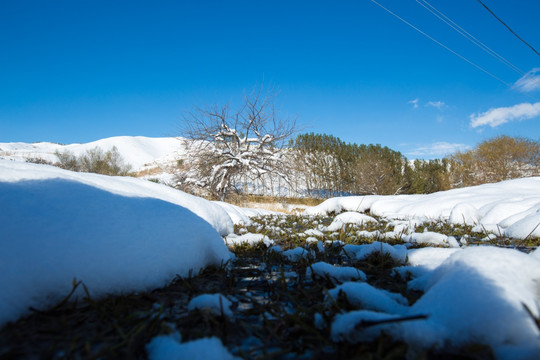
{"points": [[121, 234], [510, 208]]}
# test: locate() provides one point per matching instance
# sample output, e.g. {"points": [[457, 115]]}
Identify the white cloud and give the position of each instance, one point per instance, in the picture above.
{"points": [[498, 116], [437, 149], [414, 102], [436, 104], [529, 82]]}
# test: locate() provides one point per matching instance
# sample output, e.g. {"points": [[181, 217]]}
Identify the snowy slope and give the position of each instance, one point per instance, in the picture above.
{"points": [[116, 234], [510, 207], [135, 150]]}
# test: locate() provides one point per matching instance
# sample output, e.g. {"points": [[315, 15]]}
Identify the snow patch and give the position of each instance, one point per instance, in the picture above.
{"points": [[344, 273], [353, 218], [248, 238], [363, 295], [361, 252]]}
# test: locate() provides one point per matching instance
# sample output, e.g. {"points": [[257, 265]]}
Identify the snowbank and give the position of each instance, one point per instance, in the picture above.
{"points": [[108, 232], [478, 295], [512, 205], [345, 203], [11, 171]]}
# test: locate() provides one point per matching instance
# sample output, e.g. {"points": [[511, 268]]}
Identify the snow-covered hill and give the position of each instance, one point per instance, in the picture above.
{"points": [[138, 151]]}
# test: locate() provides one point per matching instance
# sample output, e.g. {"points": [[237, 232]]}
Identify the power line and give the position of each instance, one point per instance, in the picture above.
{"points": [[468, 36], [508, 27], [441, 44]]}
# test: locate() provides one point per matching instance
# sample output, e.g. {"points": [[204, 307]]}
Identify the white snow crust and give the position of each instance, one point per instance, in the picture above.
{"points": [[424, 260], [343, 273], [476, 295], [363, 295], [430, 237], [361, 252], [349, 217], [126, 186]]}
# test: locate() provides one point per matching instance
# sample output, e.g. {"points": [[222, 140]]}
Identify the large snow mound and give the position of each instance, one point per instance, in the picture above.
{"points": [[476, 295], [479, 295], [108, 232], [11, 171], [512, 205]]}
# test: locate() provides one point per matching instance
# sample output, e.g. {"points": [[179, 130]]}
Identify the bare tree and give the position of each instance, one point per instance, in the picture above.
{"points": [[224, 146]]}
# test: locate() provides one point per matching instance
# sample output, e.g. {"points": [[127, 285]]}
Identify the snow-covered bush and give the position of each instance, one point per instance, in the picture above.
{"points": [[224, 147]]}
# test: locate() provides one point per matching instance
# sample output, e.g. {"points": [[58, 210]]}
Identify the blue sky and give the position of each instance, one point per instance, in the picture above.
{"points": [[78, 71]]}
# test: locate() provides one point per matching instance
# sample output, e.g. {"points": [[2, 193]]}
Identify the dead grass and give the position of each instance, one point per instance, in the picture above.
{"points": [[256, 199], [147, 172]]}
